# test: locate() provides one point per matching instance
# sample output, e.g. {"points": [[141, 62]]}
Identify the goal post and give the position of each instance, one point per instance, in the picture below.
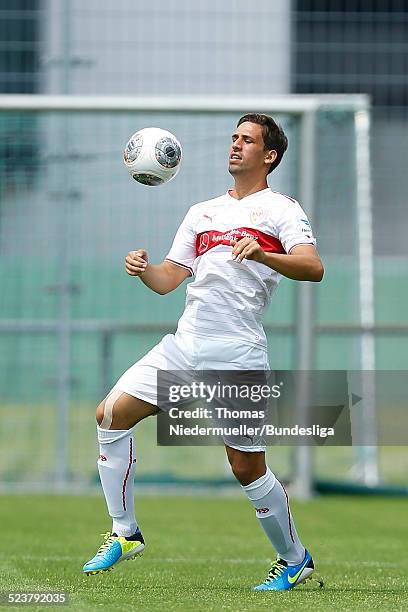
{"points": [[68, 190]]}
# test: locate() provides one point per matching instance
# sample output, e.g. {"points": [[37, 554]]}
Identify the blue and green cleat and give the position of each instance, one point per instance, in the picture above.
{"points": [[283, 577], [114, 550]]}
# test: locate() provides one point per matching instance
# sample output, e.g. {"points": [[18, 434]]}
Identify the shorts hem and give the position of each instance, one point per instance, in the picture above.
{"points": [[254, 343], [137, 395], [246, 449]]}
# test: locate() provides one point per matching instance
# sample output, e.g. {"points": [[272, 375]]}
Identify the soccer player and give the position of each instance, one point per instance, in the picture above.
{"points": [[237, 247]]}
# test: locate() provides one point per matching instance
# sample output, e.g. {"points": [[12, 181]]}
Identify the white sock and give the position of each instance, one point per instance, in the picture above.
{"points": [[272, 509], [117, 465]]}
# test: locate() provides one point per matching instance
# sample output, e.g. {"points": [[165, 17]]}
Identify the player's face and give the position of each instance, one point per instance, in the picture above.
{"points": [[247, 152]]}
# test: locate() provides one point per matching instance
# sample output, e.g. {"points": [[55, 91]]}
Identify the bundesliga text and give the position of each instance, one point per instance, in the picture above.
{"points": [[248, 431]]}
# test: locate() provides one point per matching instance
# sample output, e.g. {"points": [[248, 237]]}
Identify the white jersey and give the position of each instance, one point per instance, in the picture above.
{"points": [[227, 298]]}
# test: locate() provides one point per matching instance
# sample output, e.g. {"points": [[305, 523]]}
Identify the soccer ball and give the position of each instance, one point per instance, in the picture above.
{"points": [[152, 156]]}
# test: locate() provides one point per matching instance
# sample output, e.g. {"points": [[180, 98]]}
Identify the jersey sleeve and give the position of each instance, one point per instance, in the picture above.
{"points": [[183, 249], [294, 228]]}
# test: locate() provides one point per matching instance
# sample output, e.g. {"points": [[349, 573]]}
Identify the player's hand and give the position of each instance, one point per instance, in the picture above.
{"points": [[136, 262], [247, 248]]}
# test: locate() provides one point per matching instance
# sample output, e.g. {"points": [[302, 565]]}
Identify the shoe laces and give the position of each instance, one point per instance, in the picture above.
{"points": [[278, 567], [109, 538]]}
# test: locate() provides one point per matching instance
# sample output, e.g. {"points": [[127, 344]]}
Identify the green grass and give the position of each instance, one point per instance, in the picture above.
{"points": [[206, 553]]}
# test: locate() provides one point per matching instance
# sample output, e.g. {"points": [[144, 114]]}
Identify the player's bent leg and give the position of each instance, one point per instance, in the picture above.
{"points": [[119, 410], [294, 563], [116, 416]]}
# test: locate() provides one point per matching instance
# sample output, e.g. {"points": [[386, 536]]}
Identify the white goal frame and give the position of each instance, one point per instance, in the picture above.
{"points": [[305, 107]]}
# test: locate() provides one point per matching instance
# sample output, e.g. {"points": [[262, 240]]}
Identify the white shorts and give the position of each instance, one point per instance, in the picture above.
{"points": [[181, 351]]}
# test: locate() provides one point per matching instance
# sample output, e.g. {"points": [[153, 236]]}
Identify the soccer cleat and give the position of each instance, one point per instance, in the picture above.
{"points": [[114, 550], [283, 577]]}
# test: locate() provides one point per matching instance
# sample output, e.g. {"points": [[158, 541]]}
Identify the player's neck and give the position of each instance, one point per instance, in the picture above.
{"points": [[244, 188]]}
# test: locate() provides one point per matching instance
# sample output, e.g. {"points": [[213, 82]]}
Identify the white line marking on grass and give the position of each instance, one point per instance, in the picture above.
{"points": [[234, 560], [357, 562], [147, 557]]}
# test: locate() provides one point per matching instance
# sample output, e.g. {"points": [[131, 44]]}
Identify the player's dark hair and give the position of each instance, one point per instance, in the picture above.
{"points": [[273, 135]]}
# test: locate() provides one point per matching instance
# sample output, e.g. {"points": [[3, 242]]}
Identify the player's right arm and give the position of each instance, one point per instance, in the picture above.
{"points": [[161, 278], [176, 267]]}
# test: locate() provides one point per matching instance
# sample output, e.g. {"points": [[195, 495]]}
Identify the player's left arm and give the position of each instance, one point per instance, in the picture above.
{"points": [[301, 263]]}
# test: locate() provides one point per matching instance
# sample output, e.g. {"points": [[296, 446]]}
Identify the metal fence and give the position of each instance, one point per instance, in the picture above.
{"points": [[63, 46]]}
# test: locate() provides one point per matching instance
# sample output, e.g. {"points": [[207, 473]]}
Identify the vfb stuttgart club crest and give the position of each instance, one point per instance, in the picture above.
{"points": [[257, 215]]}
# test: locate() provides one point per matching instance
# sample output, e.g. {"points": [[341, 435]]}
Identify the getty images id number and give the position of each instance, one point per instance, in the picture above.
{"points": [[30, 597]]}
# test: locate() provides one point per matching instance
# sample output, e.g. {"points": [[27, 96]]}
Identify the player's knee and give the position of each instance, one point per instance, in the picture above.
{"points": [[100, 412], [104, 412], [242, 470]]}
